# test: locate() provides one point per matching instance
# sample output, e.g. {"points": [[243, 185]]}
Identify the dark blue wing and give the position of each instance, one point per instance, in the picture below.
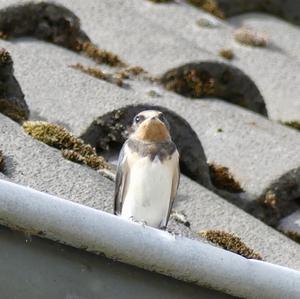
{"points": [[120, 183]]}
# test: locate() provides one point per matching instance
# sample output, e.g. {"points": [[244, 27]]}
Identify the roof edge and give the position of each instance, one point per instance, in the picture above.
{"points": [[82, 227]]}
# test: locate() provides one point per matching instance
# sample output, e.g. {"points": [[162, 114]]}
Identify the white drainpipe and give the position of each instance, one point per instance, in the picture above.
{"points": [[145, 247]]}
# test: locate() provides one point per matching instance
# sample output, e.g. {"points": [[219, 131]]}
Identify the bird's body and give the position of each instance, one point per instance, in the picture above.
{"points": [[148, 174]]}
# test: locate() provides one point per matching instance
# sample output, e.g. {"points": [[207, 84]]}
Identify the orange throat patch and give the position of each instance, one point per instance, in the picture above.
{"points": [[152, 131]]}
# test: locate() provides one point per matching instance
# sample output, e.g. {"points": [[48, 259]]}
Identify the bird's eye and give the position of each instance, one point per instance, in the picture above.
{"points": [[137, 119], [162, 118]]}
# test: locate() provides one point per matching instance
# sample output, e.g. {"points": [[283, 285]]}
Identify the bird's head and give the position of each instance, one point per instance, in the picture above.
{"points": [[150, 126]]}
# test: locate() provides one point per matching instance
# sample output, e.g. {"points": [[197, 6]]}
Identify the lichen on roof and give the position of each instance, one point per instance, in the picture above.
{"points": [[73, 148], [251, 37], [215, 80], [191, 82], [230, 242], [99, 55], [97, 73], [288, 10], [210, 6], [223, 179], [293, 124], [226, 53], [293, 235], [53, 23]]}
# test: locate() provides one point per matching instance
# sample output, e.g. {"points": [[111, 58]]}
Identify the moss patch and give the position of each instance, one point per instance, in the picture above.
{"points": [[293, 124], [100, 55], [230, 242], [53, 23], [1, 161], [288, 10], [97, 73], [73, 148], [210, 6], [226, 53], [223, 179], [293, 235], [216, 80], [279, 199], [191, 82], [250, 37], [46, 21], [118, 76]]}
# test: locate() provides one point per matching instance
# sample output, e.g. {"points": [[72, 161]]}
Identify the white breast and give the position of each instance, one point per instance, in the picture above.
{"points": [[149, 190]]}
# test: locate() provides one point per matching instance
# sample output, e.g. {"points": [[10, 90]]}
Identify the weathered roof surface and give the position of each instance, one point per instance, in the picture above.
{"points": [[145, 247], [255, 161], [32, 163]]}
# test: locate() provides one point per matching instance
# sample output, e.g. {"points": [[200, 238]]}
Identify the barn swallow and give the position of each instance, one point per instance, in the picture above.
{"points": [[148, 171]]}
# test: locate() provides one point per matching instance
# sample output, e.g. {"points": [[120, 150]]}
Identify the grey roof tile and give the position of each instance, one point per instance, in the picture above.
{"points": [[248, 145], [206, 211], [32, 163], [290, 225], [261, 155]]}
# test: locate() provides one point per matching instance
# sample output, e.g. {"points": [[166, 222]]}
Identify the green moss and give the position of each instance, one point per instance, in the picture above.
{"points": [[210, 6], [216, 80], [191, 82], [97, 73], [293, 124], [100, 55], [230, 242], [118, 76], [73, 148], [250, 37], [1, 161], [226, 53], [223, 179], [293, 235], [130, 72]]}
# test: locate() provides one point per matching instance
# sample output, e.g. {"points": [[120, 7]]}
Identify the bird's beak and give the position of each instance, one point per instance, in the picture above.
{"points": [[154, 118]]}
